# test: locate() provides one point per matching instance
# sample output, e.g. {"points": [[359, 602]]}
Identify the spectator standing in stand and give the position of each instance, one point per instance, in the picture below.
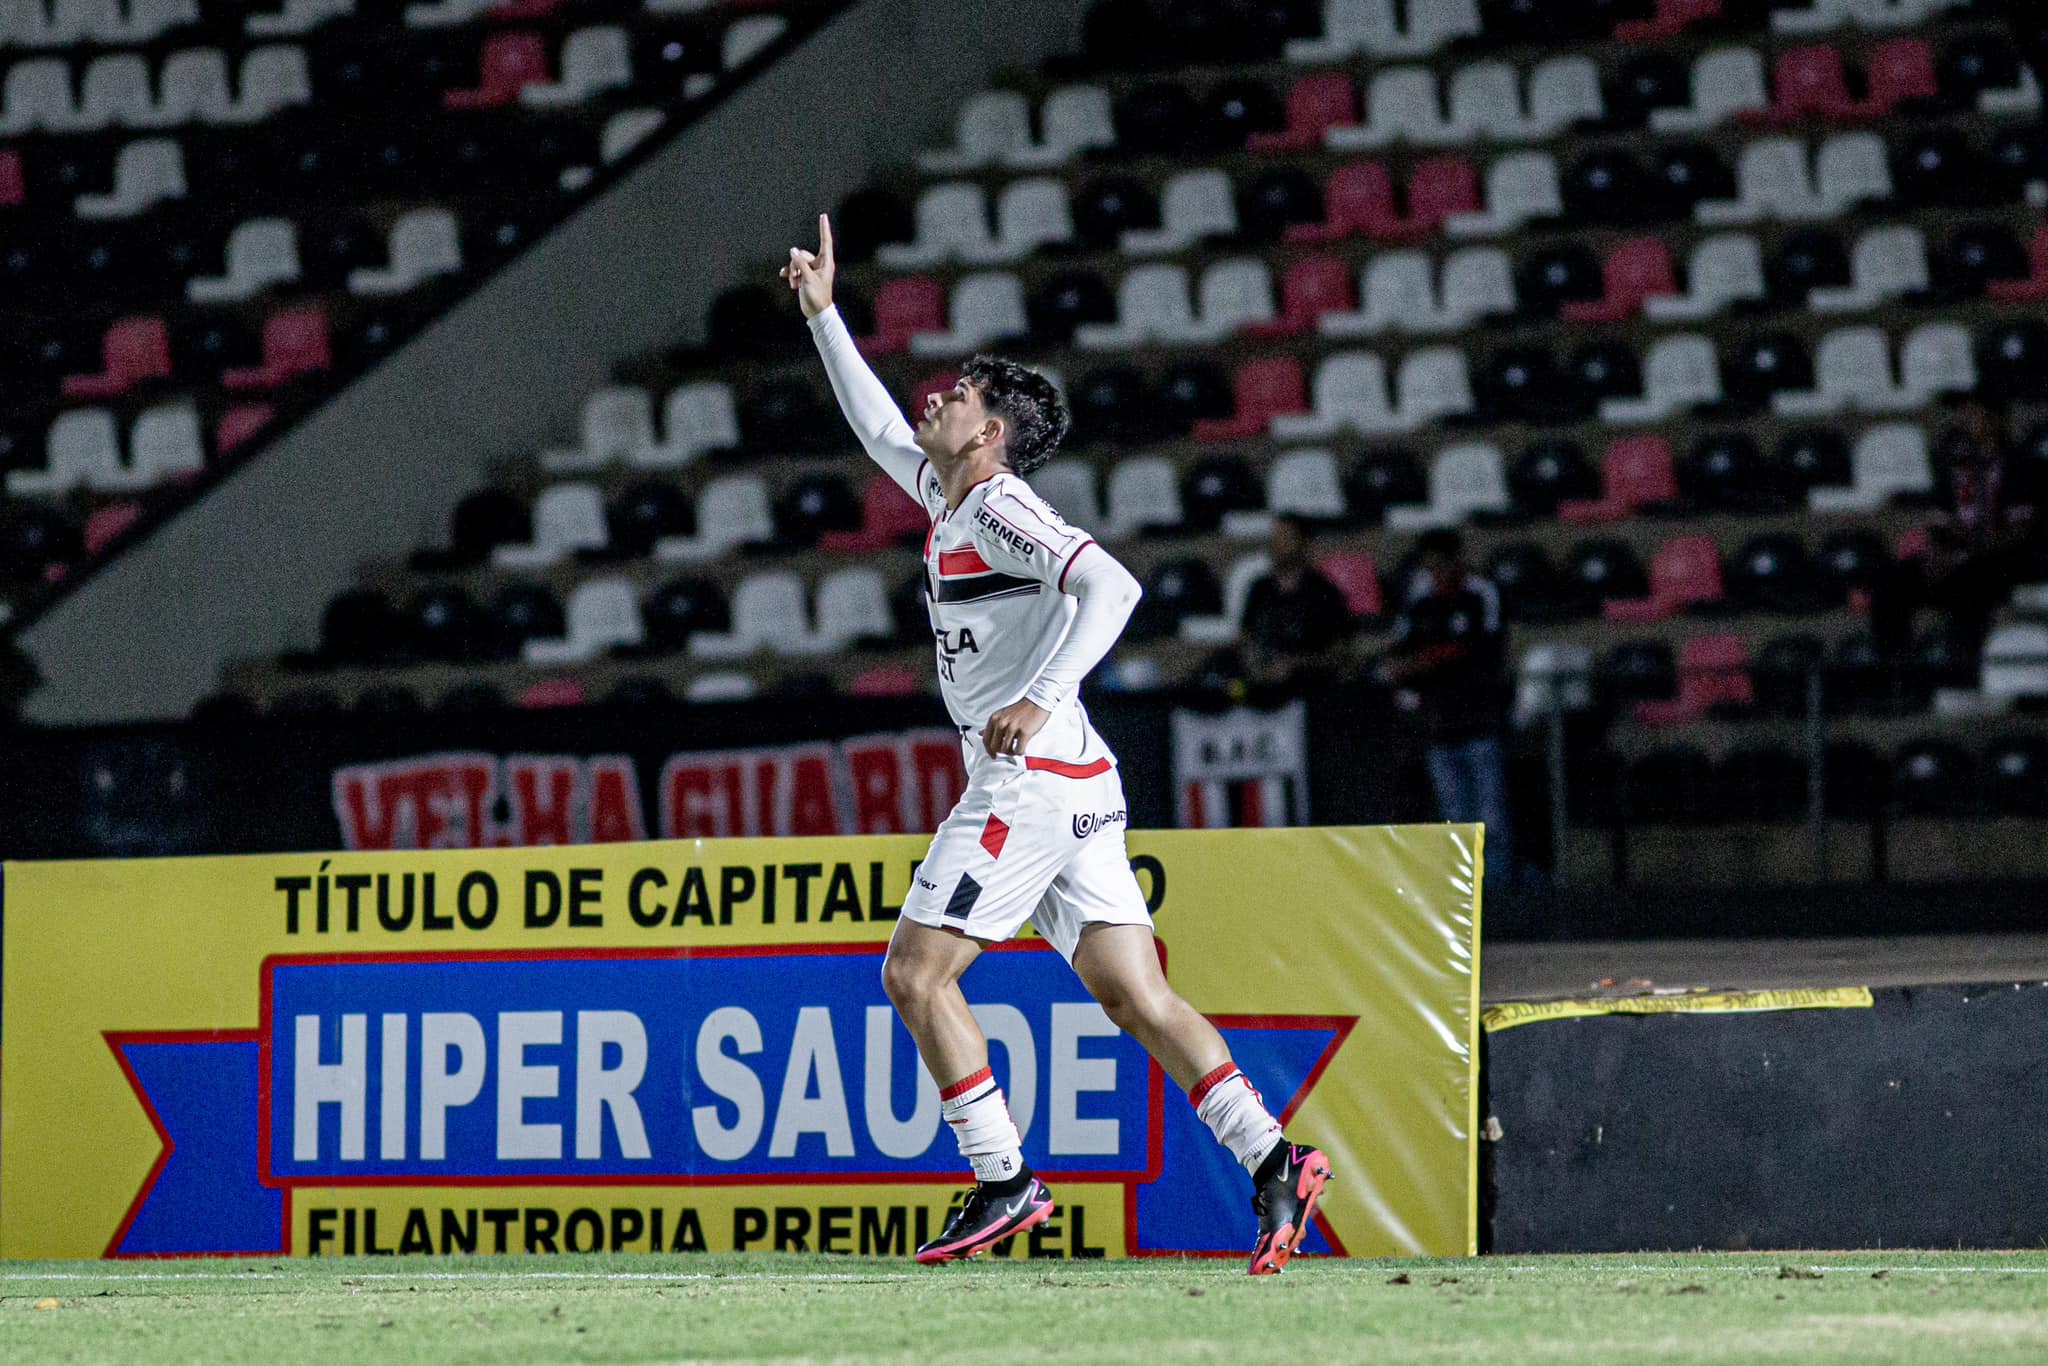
{"points": [[1296, 622], [1448, 667]]}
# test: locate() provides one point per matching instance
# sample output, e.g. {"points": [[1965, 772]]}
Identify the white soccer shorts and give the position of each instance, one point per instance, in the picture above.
{"points": [[1038, 845]]}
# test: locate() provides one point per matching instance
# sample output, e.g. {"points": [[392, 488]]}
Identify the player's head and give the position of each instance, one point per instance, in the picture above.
{"points": [[999, 405], [1442, 554], [1287, 542]]}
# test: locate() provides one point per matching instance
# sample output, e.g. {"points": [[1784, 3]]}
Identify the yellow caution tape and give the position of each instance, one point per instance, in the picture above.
{"points": [[1512, 1013]]}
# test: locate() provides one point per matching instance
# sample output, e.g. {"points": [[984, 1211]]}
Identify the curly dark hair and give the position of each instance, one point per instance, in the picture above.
{"points": [[1033, 413]]}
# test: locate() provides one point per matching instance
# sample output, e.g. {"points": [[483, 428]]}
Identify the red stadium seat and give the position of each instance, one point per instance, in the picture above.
{"points": [[508, 64], [136, 349], [1263, 389], [1311, 288], [1314, 104], [1807, 80], [888, 680], [239, 423], [108, 524], [295, 342], [1685, 572], [13, 188], [887, 517], [1712, 671], [2034, 287], [1439, 188], [552, 692], [1672, 18], [1899, 70], [1359, 199], [1357, 578], [904, 308], [1635, 270], [1639, 471]]}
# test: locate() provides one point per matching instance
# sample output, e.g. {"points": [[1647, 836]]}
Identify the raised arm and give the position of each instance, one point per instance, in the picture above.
{"points": [[869, 409]]}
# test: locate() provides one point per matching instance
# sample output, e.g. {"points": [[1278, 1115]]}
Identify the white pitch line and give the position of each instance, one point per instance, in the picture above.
{"points": [[874, 1277]]}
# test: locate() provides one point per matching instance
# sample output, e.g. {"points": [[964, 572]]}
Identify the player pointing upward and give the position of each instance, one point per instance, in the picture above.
{"points": [[1023, 606]]}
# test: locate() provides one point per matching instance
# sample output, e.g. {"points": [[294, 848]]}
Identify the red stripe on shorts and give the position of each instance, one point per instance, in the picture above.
{"points": [[1067, 770]]}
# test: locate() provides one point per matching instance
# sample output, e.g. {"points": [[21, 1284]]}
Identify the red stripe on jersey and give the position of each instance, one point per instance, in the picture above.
{"points": [[1067, 770], [964, 561], [1070, 563]]}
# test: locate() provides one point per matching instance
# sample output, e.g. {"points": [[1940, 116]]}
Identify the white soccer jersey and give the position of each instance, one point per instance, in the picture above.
{"points": [[994, 571]]}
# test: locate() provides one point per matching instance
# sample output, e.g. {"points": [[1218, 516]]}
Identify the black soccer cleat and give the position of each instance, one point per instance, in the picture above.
{"points": [[1284, 1194], [983, 1220]]}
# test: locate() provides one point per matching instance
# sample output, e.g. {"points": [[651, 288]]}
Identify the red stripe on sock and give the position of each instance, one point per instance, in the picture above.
{"points": [[966, 1084], [1199, 1092]]}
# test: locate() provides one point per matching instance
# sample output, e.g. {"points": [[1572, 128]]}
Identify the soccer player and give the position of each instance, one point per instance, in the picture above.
{"points": [[1023, 606]]}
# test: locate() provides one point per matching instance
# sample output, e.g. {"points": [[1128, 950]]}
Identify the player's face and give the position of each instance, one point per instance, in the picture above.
{"points": [[951, 420]]}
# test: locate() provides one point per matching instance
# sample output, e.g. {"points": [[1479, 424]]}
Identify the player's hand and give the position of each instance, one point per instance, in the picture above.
{"points": [[1010, 729], [811, 274]]}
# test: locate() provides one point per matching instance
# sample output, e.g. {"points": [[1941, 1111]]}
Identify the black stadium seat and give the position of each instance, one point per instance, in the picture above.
{"points": [[1177, 587], [1934, 778], [522, 612], [1216, 486], [680, 608], [1549, 472]]}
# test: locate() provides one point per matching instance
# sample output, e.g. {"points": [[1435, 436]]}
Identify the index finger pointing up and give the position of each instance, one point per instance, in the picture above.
{"points": [[825, 239]]}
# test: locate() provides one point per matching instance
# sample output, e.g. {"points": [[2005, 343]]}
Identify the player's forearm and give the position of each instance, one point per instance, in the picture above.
{"points": [[1107, 595], [869, 409]]}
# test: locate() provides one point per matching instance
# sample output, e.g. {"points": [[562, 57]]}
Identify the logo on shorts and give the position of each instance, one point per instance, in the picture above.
{"points": [[1088, 822]]}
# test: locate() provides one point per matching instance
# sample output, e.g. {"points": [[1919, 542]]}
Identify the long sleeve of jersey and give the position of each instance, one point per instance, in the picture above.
{"points": [[869, 409], [1107, 594]]}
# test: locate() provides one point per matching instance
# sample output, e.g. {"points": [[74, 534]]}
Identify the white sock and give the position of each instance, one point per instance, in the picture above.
{"points": [[980, 1117], [1225, 1101]]}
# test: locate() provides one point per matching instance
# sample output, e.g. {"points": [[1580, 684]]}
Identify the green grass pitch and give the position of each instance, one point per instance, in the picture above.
{"points": [[1778, 1307]]}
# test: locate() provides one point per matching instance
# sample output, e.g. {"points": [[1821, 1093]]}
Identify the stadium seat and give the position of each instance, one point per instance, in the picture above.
{"points": [[952, 223], [888, 517], [164, 444], [566, 518], [83, 450], [295, 343], [731, 512], [770, 612], [1684, 573], [1933, 777], [696, 419], [1553, 677], [1315, 104], [135, 351], [1433, 384], [1263, 390], [853, 608], [1521, 188], [1155, 303], [1236, 295], [2033, 286], [1549, 474], [594, 60], [905, 307], [617, 422], [1680, 372], [1069, 485], [1313, 289], [1219, 491], [424, 243], [146, 173], [1358, 200], [1350, 390], [1030, 214], [1638, 473], [1465, 481], [1722, 271], [1889, 263], [1354, 574], [1144, 495], [645, 511], [1713, 672], [985, 309], [261, 254], [1772, 573], [2016, 777], [1635, 270], [1304, 483], [602, 615], [1726, 82], [1195, 205], [1402, 105], [507, 64], [1074, 119], [1888, 462], [991, 126]]}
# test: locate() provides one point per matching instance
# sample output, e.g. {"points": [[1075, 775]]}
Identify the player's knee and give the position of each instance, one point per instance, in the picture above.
{"points": [[904, 982], [1133, 1011]]}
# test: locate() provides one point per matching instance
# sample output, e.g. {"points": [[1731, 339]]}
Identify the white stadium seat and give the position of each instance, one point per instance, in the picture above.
{"points": [[1465, 480], [145, 174], [594, 60], [695, 418], [1726, 82], [1520, 188], [566, 518], [261, 253], [1144, 495], [853, 605], [601, 615], [1723, 270], [983, 309], [424, 243], [952, 221], [1069, 485], [991, 126], [732, 511], [1074, 119], [617, 421], [83, 449], [1195, 205], [1245, 571], [1680, 372], [1888, 461], [1349, 390]]}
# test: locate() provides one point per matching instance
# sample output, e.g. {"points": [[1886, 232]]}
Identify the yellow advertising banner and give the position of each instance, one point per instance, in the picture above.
{"points": [[685, 1046]]}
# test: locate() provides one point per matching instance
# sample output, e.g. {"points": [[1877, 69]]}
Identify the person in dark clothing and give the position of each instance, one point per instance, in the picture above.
{"points": [[1296, 623], [1449, 667], [1989, 538]]}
